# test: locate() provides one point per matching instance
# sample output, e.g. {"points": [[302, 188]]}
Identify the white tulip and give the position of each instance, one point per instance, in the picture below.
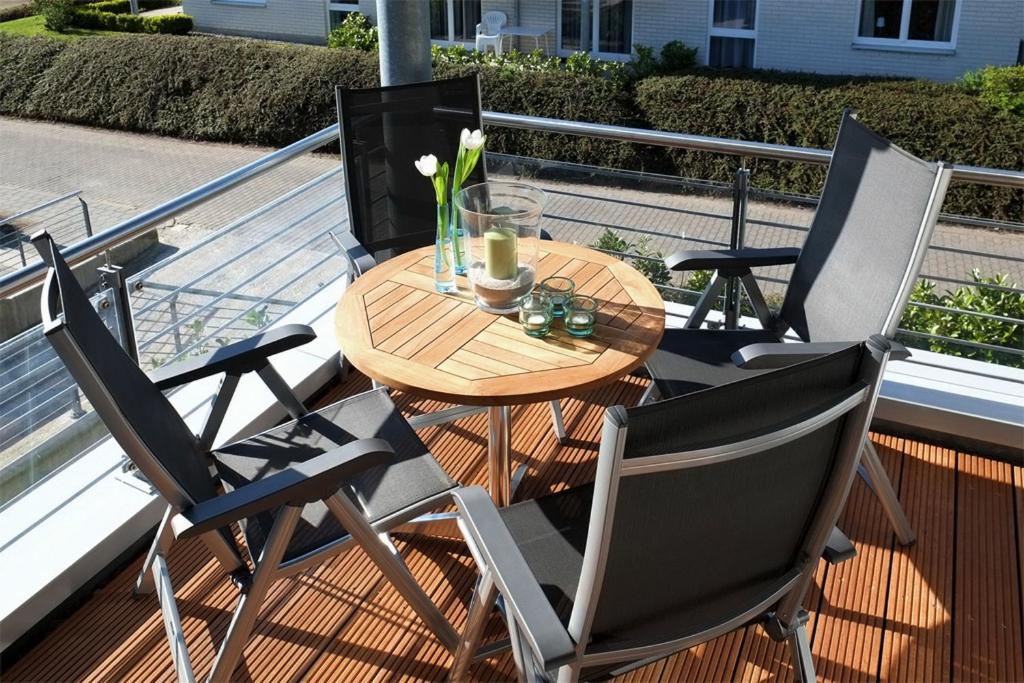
{"points": [[474, 140], [427, 165]]}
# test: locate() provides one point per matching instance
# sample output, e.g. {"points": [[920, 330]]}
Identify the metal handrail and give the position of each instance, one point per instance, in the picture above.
{"points": [[122, 232], [126, 230]]}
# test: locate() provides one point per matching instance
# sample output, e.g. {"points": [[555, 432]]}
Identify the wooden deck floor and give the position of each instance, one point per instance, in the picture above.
{"points": [[948, 608]]}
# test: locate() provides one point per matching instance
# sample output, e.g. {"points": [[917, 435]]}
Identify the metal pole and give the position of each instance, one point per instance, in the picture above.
{"points": [[404, 28], [85, 217], [736, 239], [114, 278]]}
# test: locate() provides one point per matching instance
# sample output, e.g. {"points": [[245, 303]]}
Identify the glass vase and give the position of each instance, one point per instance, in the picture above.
{"points": [[502, 224], [458, 242], [444, 263]]}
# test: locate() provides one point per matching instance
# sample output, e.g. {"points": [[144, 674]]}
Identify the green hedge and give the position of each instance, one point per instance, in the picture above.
{"points": [[557, 95], [259, 92], [193, 87], [87, 17], [932, 120], [23, 62]]}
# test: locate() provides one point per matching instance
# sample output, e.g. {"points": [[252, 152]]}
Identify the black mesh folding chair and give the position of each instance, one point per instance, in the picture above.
{"points": [[392, 208], [708, 513], [301, 492], [851, 279]]}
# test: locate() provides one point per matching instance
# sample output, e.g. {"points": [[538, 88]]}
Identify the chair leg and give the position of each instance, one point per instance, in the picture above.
{"points": [[706, 302], [880, 484], [250, 600], [393, 568], [480, 607], [144, 583], [800, 651], [557, 423], [650, 395]]}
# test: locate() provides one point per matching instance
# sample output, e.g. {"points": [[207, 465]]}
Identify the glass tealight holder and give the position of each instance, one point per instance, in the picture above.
{"points": [[559, 290], [580, 314], [535, 314]]}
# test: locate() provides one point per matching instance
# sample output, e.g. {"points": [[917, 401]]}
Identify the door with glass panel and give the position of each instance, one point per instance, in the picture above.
{"points": [[732, 34], [603, 28], [454, 21]]}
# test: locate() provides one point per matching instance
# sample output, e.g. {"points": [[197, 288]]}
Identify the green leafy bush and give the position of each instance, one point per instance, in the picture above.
{"points": [[966, 327], [195, 87], [57, 14], [676, 57], [116, 17], [355, 32], [23, 61], [932, 120], [1000, 86]]}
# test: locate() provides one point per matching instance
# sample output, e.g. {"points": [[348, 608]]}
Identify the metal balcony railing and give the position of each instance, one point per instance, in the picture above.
{"points": [[264, 263]]}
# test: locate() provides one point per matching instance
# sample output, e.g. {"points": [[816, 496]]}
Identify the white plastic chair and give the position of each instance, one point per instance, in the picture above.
{"points": [[488, 32]]}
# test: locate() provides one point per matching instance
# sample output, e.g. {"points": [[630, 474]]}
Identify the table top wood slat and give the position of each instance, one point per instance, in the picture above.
{"points": [[395, 327]]}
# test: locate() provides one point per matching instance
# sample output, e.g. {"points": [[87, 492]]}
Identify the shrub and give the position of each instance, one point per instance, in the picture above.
{"points": [[243, 91], [355, 32], [1000, 86], [934, 121], [561, 95], [23, 61], [57, 14], [113, 15], [946, 323], [676, 57]]}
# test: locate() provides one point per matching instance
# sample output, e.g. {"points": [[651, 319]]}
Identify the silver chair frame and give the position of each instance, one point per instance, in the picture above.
{"points": [[789, 620]]}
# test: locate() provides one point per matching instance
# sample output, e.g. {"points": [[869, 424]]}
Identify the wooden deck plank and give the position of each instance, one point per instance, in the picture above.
{"points": [[919, 614], [987, 622], [892, 612], [847, 640]]}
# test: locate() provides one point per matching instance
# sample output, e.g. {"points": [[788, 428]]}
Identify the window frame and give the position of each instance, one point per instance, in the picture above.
{"points": [[595, 18], [338, 7], [451, 40], [742, 33], [903, 42]]}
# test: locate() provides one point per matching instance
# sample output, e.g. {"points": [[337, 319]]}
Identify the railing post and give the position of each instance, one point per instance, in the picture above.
{"points": [[739, 228], [85, 217], [113, 277]]}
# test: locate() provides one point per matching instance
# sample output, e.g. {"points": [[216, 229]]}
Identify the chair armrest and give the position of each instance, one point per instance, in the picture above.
{"points": [[303, 482], [774, 355], [359, 260], [771, 356], [727, 259], [524, 599], [244, 356]]}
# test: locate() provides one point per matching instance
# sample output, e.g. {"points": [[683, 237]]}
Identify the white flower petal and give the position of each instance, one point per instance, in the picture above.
{"points": [[426, 165], [464, 136], [474, 140]]}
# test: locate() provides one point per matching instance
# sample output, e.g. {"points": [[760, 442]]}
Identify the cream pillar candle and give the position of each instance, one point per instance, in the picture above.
{"points": [[500, 258]]}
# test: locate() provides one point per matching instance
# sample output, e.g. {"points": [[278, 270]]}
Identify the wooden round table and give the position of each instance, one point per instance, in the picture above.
{"points": [[394, 327]]}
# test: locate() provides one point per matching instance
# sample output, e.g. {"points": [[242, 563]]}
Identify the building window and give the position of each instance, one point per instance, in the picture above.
{"points": [[914, 23], [454, 21], [732, 35], [337, 11], [611, 21]]}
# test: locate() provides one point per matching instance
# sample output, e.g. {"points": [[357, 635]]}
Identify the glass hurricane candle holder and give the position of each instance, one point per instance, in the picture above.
{"points": [[559, 290], [535, 314], [501, 226], [580, 315]]}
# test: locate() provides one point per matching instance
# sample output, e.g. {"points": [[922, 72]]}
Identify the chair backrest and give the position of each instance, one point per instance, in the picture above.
{"points": [[392, 207], [867, 241], [710, 507], [494, 21], [139, 417]]}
